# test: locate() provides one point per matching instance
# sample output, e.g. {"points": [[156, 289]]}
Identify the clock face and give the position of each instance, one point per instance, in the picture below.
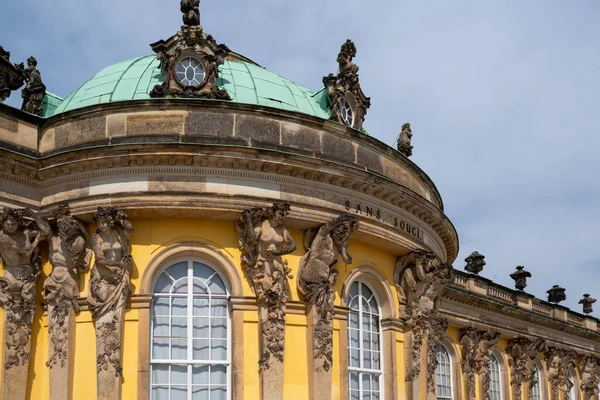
{"points": [[347, 112], [190, 72]]}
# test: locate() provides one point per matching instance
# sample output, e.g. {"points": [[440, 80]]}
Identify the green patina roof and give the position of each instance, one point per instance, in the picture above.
{"points": [[246, 83]]}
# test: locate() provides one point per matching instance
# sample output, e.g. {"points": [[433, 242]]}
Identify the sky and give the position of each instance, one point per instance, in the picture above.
{"points": [[502, 97]]}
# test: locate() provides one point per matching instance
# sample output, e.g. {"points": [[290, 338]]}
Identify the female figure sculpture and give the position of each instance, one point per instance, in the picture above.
{"points": [[109, 289]]}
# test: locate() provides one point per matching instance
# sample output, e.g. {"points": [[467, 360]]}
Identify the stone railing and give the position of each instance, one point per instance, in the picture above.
{"points": [[485, 288]]}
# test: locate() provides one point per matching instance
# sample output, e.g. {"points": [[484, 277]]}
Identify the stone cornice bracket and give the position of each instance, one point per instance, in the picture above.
{"points": [[12, 76], [190, 60], [347, 102], [558, 362], [522, 353]]}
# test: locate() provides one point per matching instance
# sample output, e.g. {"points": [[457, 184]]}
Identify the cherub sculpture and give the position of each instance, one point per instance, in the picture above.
{"points": [[191, 12]]}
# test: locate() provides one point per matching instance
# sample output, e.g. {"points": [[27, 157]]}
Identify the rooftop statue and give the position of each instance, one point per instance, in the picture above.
{"points": [[556, 294], [191, 12], [404, 140], [347, 101], [520, 277], [587, 302], [12, 76], [34, 91], [475, 263]]}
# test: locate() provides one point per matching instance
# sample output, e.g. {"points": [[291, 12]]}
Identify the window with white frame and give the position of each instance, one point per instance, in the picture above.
{"points": [[495, 379], [190, 334], [443, 374], [570, 395], [537, 386], [364, 344]]}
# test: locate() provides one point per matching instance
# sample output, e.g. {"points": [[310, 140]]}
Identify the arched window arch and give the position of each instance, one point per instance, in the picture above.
{"points": [[190, 344], [443, 374], [495, 378], [573, 393], [365, 366]]}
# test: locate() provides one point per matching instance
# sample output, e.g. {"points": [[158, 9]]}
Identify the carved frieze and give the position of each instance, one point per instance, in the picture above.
{"points": [[347, 101], [558, 362], [22, 230], [522, 353], [69, 255], [190, 60], [263, 239], [34, 91], [316, 278], [12, 76]]}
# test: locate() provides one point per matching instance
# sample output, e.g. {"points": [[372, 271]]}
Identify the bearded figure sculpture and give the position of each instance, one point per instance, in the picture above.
{"points": [[316, 278], [69, 254]]}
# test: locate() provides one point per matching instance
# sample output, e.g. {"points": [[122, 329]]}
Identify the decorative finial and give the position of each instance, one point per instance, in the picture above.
{"points": [[587, 302], [475, 263], [404, 146], [556, 294], [191, 12], [520, 277], [348, 103]]}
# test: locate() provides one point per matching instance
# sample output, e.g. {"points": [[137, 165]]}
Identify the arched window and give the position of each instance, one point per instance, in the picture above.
{"points": [[495, 379], [190, 334], [364, 344], [537, 385], [443, 374], [571, 394]]}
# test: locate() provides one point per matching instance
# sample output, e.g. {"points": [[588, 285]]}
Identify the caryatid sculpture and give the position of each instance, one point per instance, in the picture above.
{"points": [[263, 240], [589, 368], [558, 362], [21, 232], [69, 254], [108, 293], [522, 353], [316, 278]]}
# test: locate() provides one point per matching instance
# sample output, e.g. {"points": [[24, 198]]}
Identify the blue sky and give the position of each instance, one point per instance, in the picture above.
{"points": [[502, 96]]}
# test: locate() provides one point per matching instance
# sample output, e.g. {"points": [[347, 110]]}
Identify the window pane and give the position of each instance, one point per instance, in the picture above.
{"points": [[178, 349], [219, 328], [180, 287], [201, 350], [200, 374], [218, 375], [178, 393], [161, 306], [179, 306], [218, 394], [218, 350], [179, 374], [201, 328], [160, 327], [160, 374], [179, 327], [201, 306], [160, 393], [163, 284], [200, 393], [160, 349], [219, 308]]}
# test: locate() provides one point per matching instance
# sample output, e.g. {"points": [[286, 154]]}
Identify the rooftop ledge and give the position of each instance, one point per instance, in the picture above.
{"points": [[209, 122]]}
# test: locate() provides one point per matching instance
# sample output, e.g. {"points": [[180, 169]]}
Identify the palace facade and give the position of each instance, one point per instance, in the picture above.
{"points": [[189, 225]]}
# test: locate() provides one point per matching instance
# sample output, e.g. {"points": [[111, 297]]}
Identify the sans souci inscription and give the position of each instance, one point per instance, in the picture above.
{"points": [[390, 219]]}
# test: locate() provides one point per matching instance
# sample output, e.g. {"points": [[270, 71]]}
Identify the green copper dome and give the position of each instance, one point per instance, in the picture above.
{"points": [[246, 83]]}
